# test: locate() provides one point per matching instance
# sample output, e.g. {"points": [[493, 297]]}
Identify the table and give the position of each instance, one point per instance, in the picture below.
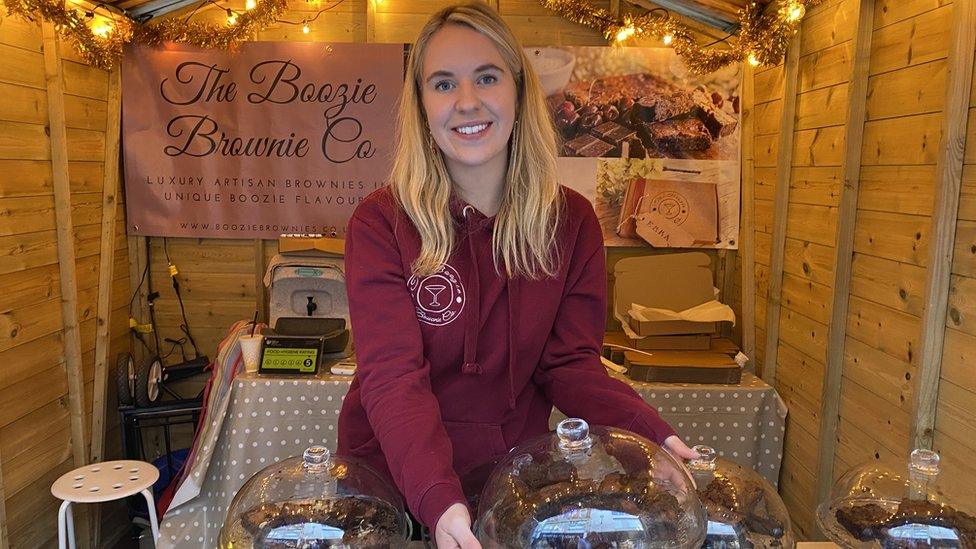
{"points": [[268, 419]]}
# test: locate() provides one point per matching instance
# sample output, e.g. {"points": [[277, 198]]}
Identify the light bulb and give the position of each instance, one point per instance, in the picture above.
{"points": [[753, 60], [101, 28], [795, 11], [305, 28], [231, 17], [668, 38], [625, 33], [250, 4]]}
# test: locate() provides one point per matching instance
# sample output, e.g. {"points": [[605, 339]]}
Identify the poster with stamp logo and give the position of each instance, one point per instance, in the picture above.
{"points": [[629, 116]]}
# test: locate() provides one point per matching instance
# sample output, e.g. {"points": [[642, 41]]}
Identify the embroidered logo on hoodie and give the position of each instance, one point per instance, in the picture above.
{"points": [[438, 298]]}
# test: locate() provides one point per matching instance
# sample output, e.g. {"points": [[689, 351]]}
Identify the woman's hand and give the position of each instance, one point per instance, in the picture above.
{"points": [[453, 529], [678, 448], [665, 471]]}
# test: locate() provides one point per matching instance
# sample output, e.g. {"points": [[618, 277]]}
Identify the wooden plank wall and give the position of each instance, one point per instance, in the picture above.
{"points": [[218, 275], [904, 110], [35, 443], [955, 431]]}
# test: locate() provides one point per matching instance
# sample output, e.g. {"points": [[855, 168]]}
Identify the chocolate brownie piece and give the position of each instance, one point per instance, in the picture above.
{"points": [[586, 145], [610, 90], [863, 521], [533, 475], [718, 122], [636, 148], [719, 491], [561, 471], [663, 105], [615, 134], [367, 523], [681, 134], [926, 512]]}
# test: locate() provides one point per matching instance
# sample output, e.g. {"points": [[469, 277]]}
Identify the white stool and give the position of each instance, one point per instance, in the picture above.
{"points": [[100, 482]]}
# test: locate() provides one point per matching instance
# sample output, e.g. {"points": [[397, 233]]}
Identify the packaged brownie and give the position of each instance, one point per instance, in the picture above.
{"points": [[876, 506], [743, 508], [589, 487], [315, 500]]}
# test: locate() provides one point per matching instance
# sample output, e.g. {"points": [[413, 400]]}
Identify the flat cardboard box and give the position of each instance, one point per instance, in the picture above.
{"points": [[683, 367], [692, 342], [616, 354], [296, 245], [672, 328], [667, 281]]}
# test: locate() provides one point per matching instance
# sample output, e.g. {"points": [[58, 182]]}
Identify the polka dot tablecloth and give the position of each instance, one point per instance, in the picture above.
{"points": [[270, 419]]}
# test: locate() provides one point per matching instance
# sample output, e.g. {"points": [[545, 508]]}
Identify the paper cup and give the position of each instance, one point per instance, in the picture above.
{"points": [[251, 349]]}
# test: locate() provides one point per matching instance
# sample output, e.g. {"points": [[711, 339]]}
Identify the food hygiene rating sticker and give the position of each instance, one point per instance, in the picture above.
{"points": [[438, 298]]}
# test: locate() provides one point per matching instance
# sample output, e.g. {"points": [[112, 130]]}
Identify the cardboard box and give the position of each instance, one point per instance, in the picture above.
{"points": [[668, 281], [704, 329], [297, 244], [683, 367], [692, 342]]}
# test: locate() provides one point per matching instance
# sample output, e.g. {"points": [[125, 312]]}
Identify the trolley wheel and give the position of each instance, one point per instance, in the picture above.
{"points": [[125, 378], [148, 378]]}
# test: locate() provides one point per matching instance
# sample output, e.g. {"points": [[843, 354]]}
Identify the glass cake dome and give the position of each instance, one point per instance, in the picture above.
{"points": [[589, 487], [874, 506], [744, 510], [315, 500]]}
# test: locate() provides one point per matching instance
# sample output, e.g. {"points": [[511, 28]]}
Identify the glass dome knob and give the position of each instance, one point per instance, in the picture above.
{"points": [[316, 458], [574, 435], [925, 462], [705, 460]]}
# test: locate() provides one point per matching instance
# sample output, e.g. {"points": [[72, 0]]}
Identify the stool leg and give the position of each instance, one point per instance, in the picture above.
{"points": [[71, 528], [63, 525], [152, 514]]}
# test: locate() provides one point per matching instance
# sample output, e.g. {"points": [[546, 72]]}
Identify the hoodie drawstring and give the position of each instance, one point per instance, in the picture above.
{"points": [[471, 366], [473, 318]]}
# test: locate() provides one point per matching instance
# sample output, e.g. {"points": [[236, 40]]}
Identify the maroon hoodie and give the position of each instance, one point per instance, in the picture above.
{"points": [[456, 368]]}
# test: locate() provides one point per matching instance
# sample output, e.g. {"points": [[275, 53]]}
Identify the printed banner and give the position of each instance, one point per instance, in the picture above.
{"points": [[655, 147], [266, 139]]}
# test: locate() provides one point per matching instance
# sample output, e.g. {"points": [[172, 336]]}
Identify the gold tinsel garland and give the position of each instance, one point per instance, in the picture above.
{"points": [[105, 52], [762, 37]]}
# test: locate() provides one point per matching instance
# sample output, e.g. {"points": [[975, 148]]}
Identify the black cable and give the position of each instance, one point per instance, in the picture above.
{"points": [[723, 39], [136, 291], [185, 327]]}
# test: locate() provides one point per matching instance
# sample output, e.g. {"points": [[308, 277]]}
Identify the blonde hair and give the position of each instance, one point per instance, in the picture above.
{"points": [[524, 237]]}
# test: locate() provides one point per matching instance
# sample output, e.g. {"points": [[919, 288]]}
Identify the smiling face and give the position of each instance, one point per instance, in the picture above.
{"points": [[469, 97]]}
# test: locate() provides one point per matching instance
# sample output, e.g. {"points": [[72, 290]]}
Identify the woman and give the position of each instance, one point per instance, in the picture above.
{"points": [[477, 285]]}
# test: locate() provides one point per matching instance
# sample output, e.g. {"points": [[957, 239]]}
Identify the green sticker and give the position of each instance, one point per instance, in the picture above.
{"points": [[301, 360], [308, 271]]}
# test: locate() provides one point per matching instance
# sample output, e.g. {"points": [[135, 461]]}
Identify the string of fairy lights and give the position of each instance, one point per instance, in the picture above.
{"points": [[98, 31]]}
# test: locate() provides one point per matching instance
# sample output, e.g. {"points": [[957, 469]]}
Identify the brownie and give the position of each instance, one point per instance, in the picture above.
{"points": [[551, 489], [740, 503], [615, 134], [533, 475], [718, 122], [863, 521], [682, 134], [610, 90], [636, 148], [663, 105], [586, 145], [926, 512], [365, 523]]}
